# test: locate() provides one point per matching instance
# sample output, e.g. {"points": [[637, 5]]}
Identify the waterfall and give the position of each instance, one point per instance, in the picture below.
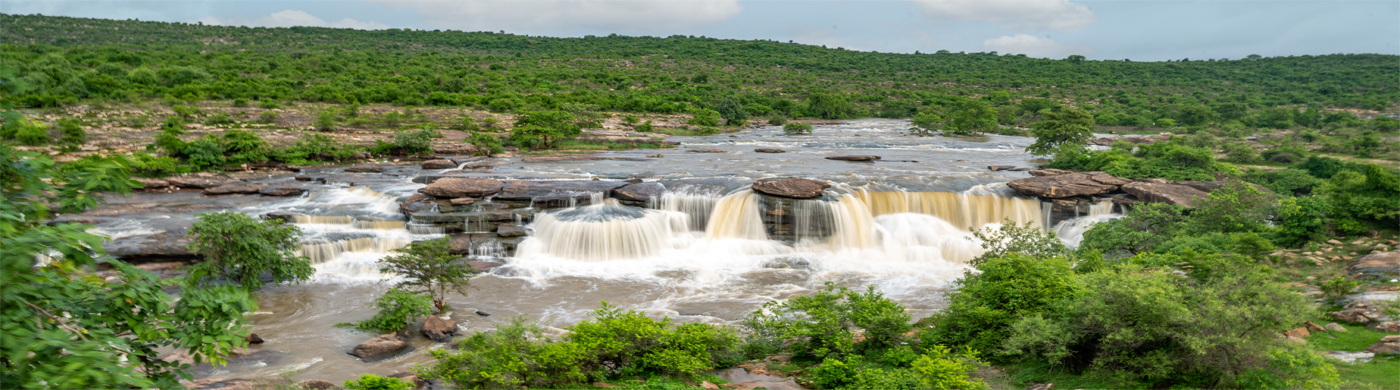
{"points": [[963, 210], [844, 224], [1071, 231], [697, 207], [381, 225], [323, 219], [601, 232], [924, 238], [737, 216], [321, 252]]}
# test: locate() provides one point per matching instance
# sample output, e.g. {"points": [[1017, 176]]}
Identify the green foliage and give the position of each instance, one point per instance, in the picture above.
{"points": [[1169, 160], [238, 249], [1010, 238], [824, 324], [32, 133], [376, 382], [325, 121], [972, 117], [243, 146], [615, 344], [240, 102], [1337, 288], [429, 268], [777, 121], [1241, 153], [488, 144], [925, 123], [1061, 130], [219, 119], [540, 129], [1292, 368], [1151, 326], [705, 117], [169, 138], [317, 147], [268, 104], [830, 106], [797, 128], [414, 142], [731, 110], [1369, 193], [204, 153], [146, 165], [630, 119], [1233, 208], [268, 116], [63, 326], [1301, 220], [984, 305], [645, 127], [71, 134], [1285, 182], [1142, 228], [397, 309], [938, 368]]}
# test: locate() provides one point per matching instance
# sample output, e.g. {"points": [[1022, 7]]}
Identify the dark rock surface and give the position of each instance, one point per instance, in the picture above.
{"points": [[640, 191], [854, 158], [1067, 185], [200, 182], [235, 188], [791, 187], [1165, 193], [365, 169], [529, 190], [283, 191], [438, 329], [461, 187], [769, 150], [510, 231], [1382, 264]]}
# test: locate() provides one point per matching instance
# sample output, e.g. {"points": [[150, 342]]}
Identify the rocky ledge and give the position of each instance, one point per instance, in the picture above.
{"points": [[1057, 185]]}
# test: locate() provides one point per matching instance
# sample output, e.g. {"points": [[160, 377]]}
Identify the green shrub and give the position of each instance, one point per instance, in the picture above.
{"points": [[984, 305], [824, 324], [704, 117], [33, 134], [71, 134], [325, 121], [1286, 182], [243, 146], [629, 119], [514, 355], [238, 248], [1302, 219], [486, 144], [146, 165], [397, 309], [268, 104], [169, 138], [938, 368], [414, 142], [240, 102], [1233, 208], [317, 147], [1010, 238], [925, 124], [268, 116], [795, 128], [1369, 192], [218, 120], [1241, 153], [777, 121], [1292, 368], [1142, 228], [1151, 326], [1337, 288], [376, 382], [204, 153], [645, 127]]}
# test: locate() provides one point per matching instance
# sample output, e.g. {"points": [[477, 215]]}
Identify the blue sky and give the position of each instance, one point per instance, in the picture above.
{"points": [[1119, 29]]}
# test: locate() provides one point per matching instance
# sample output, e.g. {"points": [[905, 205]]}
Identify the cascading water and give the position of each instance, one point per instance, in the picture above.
{"points": [[1071, 231], [603, 231], [737, 216], [971, 209], [925, 238], [696, 207]]}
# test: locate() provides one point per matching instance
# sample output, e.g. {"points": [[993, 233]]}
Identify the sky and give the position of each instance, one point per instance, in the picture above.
{"points": [[1139, 30]]}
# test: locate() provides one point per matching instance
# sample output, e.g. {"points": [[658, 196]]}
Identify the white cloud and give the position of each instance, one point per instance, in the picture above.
{"points": [[1033, 46], [567, 15], [291, 18], [1054, 15]]}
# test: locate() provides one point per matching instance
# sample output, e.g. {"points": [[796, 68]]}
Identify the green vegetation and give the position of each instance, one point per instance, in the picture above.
{"points": [[376, 382], [797, 128], [398, 308], [429, 268], [239, 249]]}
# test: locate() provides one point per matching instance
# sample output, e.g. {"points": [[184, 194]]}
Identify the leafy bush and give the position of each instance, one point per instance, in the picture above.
{"points": [[325, 121], [825, 324], [268, 104], [645, 127], [615, 344], [1152, 326], [429, 267], [397, 309], [540, 129], [240, 102], [984, 305], [414, 142], [795, 128], [1061, 130], [704, 117], [1301, 220], [1287, 182], [268, 116], [486, 144], [925, 123], [1292, 368], [218, 120], [1337, 288], [1010, 238], [777, 121], [243, 146], [32, 133], [204, 153], [1371, 192], [145, 165], [1142, 228], [376, 382], [238, 248], [1169, 160], [1232, 208], [937, 368]]}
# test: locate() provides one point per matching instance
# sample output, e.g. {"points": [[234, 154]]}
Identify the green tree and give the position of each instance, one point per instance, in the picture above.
{"points": [[705, 117], [430, 268], [71, 134], [925, 123], [325, 121], [486, 144], [65, 327], [397, 308], [1057, 131], [540, 129], [732, 110], [972, 117], [376, 382], [830, 106], [795, 128], [239, 248]]}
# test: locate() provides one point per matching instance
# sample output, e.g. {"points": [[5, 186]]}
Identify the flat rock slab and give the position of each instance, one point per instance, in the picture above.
{"points": [[854, 158], [995, 168], [439, 164], [529, 190], [462, 187], [1048, 172], [640, 191], [1067, 185], [283, 191], [791, 187], [239, 188], [769, 150], [379, 348], [707, 150], [510, 231], [1382, 264], [365, 169], [151, 183], [1165, 193], [198, 181]]}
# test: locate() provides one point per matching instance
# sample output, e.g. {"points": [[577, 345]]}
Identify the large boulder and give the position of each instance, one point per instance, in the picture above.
{"points": [[640, 191], [318, 384], [1389, 345], [462, 187], [1165, 193], [1382, 264], [1359, 311], [1067, 185], [791, 187], [379, 348], [439, 164], [854, 158], [438, 329]]}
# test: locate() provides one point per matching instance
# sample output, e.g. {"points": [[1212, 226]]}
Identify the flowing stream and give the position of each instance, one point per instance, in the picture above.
{"points": [[696, 253]]}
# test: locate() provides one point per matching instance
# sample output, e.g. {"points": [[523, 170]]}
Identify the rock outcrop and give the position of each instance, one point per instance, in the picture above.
{"points": [[461, 187], [791, 187], [1382, 264], [640, 192], [769, 150], [236, 188], [151, 184], [379, 348], [439, 164], [365, 169], [1067, 185], [1176, 194], [282, 191], [200, 182], [1388, 345]]}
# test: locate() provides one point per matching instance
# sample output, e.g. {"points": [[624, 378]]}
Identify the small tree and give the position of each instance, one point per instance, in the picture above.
{"points": [[486, 144], [972, 117], [704, 117], [731, 110], [1061, 130], [794, 128], [326, 121], [430, 268], [397, 308], [240, 248], [71, 134], [925, 123], [541, 129]]}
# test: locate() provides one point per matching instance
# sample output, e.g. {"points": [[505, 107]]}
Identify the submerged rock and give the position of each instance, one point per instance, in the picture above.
{"points": [[151, 183], [854, 158], [707, 150], [379, 348], [253, 338], [240, 188], [791, 187], [283, 191], [769, 150], [365, 169], [462, 187]]}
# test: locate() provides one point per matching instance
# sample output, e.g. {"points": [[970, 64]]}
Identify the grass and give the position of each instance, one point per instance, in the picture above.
{"points": [[1382, 372], [1356, 338]]}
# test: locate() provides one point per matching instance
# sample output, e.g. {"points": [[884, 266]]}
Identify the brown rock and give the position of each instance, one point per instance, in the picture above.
{"points": [[1165, 193], [1061, 186], [1126, 199], [1048, 172], [240, 188], [855, 158], [1315, 327], [707, 150], [607, 385], [198, 181], [151, 183], [462, 201], [1384, 264], [769, 150], [438, 329], [409, 377], [1335, 327], [1385, 347], [709, 386], [381, 347], [365, 169], [995, 168], [439, 164], [283, 191], [504, 230], [1297, 332], [484, 164], [318, 384], [791, 187], [253, 338], [639, 191], [1384, 327], [459, 187]]}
